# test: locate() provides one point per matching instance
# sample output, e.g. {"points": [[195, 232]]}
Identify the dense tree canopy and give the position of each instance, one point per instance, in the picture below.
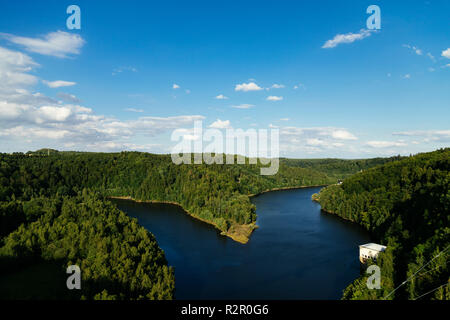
{"points": [[54, 211], [405, 205]]}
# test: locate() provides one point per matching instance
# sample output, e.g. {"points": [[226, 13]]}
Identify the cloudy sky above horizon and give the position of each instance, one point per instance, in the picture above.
{"points": [[136, 72]]}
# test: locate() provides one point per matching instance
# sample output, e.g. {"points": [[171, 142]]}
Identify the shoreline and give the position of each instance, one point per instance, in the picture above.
{"points": [[239, 233], [286, 188]]}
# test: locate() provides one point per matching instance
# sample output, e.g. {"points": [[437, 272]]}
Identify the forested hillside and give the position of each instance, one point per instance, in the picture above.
{"points": [[405, 205], [119, 259], [54, 212], [215, 193]]}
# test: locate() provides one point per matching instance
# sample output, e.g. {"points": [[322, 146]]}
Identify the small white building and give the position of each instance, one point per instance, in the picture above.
{"points": [[370, 251]]}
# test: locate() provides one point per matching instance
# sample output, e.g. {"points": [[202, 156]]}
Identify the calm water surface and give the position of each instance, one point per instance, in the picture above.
{"points": [[297, 252]]}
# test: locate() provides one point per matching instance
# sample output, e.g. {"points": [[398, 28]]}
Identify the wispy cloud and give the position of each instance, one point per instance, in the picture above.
{"points": [[122, 69], [219, 124], [175, 86], [385, 144], [347, 38], [134, 110], [68, 97], [274, 98], [413, 48], [58, 83], [277, 86], [243, 106], [58, 44], [428, 135]]}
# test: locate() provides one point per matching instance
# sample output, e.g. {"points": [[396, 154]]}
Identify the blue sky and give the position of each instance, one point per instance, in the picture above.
{"points": [[137, 70]]}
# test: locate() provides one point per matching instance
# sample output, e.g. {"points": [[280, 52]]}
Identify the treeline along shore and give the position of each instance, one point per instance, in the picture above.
{"points": [[405, 205], [40, 190]]}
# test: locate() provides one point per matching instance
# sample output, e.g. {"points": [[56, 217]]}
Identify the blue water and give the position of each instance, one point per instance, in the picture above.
{"points": [[298, 252]]}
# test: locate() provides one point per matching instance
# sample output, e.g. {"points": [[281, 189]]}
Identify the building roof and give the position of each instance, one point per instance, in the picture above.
{"points": [[374, 246]]}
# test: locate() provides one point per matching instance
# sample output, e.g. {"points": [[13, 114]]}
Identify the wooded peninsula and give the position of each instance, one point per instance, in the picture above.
{"points": [[54, 212]]}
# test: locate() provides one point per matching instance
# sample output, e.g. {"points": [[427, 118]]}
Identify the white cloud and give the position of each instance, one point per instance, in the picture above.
{"points": [[315, 140], [446, 53], [274, 98], [343, 135], [221, 97], [413, 48], [407, 76], [58, 83], [14, 66], [277, 86], [284, 119], [251, 86], [27, 116], [134, 110], [299, 86], [219, 124], [58, 44], [175, 86], [346, 38], [385, 144], [243, 106], [429, 135]]}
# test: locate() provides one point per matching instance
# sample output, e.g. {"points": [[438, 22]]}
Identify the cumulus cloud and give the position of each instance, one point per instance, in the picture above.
{"points": [[58, 83], [32, 116], [446, 53], [221, 97], [251, 86], [343, 135], [346, 38], [58, 44], [219, 124], [274, 98], [13, 69]]}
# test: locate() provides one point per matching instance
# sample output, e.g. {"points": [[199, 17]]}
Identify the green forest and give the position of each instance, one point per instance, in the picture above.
{"points": [[55, 212], [405, 205]]}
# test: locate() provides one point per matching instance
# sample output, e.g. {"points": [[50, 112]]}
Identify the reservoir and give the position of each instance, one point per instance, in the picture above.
{"points": [[298, 252]]}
